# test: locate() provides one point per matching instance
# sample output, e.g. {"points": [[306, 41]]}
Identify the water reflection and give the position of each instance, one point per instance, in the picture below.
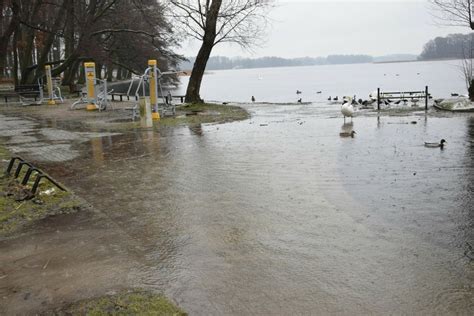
{"points": [[196, 129]]}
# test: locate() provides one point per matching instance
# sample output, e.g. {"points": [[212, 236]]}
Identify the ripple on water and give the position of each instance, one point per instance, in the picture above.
{"points": [[453, 301]]}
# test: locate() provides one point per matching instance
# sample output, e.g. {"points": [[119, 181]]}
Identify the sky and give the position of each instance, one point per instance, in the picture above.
{"points": [[320, 27]]}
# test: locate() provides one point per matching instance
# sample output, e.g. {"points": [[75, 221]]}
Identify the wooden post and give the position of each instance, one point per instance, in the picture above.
{"points": [[378, 99], [426, 98]]}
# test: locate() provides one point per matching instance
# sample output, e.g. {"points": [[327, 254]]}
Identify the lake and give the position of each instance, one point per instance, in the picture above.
{"points": [[280, 84]]}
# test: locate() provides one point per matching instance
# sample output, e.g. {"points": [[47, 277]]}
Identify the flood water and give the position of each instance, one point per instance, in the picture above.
{"points": [[280, 215]]}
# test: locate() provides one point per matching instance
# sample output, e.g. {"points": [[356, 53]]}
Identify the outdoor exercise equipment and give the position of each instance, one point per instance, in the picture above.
{"points": [[53, 85], [153, 109], [97, 93]]}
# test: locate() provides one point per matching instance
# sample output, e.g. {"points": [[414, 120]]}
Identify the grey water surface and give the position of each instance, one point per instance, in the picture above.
{"points": [[279, 215]]}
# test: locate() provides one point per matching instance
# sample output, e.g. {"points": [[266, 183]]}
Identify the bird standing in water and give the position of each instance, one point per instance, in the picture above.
{"points": [[347, 109]]}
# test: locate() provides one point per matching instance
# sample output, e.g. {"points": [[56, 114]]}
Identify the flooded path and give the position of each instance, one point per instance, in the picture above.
{"points": [[280, 215]]}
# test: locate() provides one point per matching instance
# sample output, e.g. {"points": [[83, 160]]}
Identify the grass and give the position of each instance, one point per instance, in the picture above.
{"points": [[131, 303], [18, 210], [201, 113]]}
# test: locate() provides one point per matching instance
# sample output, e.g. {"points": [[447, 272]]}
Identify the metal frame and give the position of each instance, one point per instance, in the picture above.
{"points": [[39, 174], [101, 96], [403, 95], [163, 108]]}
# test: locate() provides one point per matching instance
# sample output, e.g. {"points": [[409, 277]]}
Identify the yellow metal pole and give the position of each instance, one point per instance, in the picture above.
{"points": [[90, 82], [49, 82], [154, 89]]}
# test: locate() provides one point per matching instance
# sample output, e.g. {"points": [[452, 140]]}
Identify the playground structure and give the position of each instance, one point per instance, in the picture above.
{"points": [[53, 86], [153, 109], [97, 93]]}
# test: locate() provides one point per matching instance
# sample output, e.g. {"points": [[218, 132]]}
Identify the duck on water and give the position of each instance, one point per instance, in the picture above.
{"points": [[436, 145]]}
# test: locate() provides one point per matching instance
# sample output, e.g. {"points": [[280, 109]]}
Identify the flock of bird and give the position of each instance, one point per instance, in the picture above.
{"points": [[349, 105]]}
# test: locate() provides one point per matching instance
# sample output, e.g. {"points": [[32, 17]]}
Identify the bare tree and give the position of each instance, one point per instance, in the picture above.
{"points": [[454, 12], [216, 21], [459, 13]]}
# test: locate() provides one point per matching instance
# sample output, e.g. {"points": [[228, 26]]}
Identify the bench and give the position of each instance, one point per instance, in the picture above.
{"points": [[29, 91], [8, 94], [7, 89], [121, 95]]}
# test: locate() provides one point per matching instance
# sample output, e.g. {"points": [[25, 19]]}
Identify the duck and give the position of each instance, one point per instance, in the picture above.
{"points": [[319, 92], [336, 98], [299, 100], [329, 99], [347, 134], [436, 145], [354, 101], [347, 109], [298, 92], [253, 99], [455, 94]]}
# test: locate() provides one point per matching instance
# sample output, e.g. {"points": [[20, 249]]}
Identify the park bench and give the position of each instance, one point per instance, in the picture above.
{"points": [[30, 91], [7, 89]]}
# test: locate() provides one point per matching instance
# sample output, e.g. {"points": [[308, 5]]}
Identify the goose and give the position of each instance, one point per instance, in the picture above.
{"points": [[299, 100], [436, 145], [253, 99], [336, 98], [329, 99], [347, 134], [347, 109]]}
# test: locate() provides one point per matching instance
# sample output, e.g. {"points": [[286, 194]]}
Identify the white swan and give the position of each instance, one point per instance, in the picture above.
{"points": [[347, 109]]}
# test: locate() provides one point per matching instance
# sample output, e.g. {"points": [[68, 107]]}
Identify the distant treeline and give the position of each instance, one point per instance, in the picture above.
{"points": [[220, 62], [456, 46]]}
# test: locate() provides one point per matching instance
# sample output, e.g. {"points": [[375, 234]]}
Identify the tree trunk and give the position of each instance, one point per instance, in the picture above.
{"points": [[194, 85], [70, 75], [69, 41], [5, 38], [50, 39], [110, 73], [471, 90], [15, 57]]}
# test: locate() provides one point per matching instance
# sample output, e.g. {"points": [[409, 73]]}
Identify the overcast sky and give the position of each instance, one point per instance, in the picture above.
{"points": [[321, 27]]}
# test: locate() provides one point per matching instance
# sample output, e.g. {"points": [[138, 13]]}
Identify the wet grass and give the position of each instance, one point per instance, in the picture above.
{"points": [[134, 303], [18, 209], [192, 114]]}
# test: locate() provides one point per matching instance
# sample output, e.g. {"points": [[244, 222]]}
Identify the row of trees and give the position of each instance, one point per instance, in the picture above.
{"points": [[118, 35], [221, 62], [452, 46]]}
